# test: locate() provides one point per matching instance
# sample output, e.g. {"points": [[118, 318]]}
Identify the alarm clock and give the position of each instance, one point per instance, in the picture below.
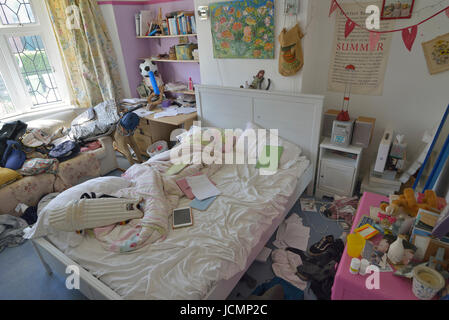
{"points": [[342, 132]]}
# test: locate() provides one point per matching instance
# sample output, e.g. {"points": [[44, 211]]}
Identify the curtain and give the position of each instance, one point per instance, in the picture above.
{"points": [[87, 52]]}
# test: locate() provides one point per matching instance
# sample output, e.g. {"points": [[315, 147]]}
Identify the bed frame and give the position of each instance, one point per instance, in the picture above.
{"points": [[298, 119]]}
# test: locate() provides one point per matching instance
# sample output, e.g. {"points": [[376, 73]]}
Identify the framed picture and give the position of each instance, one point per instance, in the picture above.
{"points": [[397, 9], [436, 52]]}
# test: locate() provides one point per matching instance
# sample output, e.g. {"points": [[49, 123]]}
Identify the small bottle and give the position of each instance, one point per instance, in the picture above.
{"points": [[355, 266], [190, 84], [363, 266]]}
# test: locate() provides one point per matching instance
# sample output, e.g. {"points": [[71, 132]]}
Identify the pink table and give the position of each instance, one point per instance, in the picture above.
{"points": [[352, 287]]}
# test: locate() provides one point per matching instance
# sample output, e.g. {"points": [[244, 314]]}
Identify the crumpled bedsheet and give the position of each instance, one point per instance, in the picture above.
{"points": [[190, 261], [160, 194]]}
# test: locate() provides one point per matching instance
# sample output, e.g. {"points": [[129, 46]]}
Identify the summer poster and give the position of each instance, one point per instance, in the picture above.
{"points": [[243, 29], [370, 65]]}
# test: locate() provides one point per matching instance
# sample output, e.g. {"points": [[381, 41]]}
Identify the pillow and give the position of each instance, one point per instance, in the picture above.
{"points": [[101, 185], [204, 141], [8, 176], [290, 153]]}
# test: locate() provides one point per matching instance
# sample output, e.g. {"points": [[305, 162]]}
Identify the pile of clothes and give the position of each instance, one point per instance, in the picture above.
{"points": [[28, 152]]}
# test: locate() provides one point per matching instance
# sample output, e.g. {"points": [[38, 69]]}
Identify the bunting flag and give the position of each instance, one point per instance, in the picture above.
{"points": [[333, 7], [350, 25], [409, 36], [447, 12], [374, 38]]}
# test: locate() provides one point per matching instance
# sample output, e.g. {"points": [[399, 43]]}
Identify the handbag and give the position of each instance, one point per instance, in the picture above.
{"points": [[291, 57], [13, 157], [65, 150]]}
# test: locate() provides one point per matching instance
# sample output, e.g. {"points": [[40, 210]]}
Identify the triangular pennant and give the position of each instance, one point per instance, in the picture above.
{"points": [[333, 7], [350, 25], [447, 12], [409, 36], [374, 38]]}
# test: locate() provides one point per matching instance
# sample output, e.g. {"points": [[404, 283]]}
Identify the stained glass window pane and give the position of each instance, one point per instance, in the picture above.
{"points": [[16, 12], [6, 106], [35, 68]]}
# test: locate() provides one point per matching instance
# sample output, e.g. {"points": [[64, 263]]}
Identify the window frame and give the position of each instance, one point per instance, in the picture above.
{"points": [[10, 71]]}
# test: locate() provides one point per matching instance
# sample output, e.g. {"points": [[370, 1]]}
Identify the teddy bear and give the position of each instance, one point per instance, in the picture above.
{"points": [[408, 203]]}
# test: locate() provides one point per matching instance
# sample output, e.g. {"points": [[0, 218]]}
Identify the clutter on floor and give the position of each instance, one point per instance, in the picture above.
{"points": [[11, 231]]}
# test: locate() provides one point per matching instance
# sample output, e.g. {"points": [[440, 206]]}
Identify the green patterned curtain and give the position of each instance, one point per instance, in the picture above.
{"points": [[87, 51]]}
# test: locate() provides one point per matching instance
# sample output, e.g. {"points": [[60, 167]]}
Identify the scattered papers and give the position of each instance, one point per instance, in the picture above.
{"points": [[174, 111], [202, 204], [174, 169], [308, 205], [134, 100], [292, 233], [186, 110], [185, 188], [143, 112], [169, 112], [202, 188]]}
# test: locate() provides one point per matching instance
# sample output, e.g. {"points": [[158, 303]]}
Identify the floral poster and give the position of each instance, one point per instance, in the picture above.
{"points": [[243, 29], [436, 52]]}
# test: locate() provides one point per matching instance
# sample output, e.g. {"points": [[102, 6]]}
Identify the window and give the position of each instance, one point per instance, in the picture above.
{"points": [[31, 74]]}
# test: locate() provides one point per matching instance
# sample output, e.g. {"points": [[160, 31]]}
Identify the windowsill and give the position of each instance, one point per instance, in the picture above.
{"points": [[39, 111]]}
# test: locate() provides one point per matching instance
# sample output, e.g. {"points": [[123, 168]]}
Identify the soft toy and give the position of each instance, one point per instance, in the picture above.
{"points": [[408, 203]]}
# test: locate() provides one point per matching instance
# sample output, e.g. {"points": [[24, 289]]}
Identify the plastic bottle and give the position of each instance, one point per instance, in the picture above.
{"points": [[355, 266], [190, 84]]}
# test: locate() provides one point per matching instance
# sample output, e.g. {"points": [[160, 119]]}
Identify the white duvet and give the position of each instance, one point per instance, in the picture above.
{"points": [[189, 261]]}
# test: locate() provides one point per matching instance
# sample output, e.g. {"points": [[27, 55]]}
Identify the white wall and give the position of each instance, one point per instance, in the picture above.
{"points": [[234, 72], [109, 17], [412, 100]]}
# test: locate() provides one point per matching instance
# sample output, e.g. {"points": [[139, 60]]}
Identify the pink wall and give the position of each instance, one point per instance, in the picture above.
{"points": [[134, 48]]}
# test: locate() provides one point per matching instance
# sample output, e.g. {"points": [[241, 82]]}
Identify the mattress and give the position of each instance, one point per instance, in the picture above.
{"points": [[190, 261]]}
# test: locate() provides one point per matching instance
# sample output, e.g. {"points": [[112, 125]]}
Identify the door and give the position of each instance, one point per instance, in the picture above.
{"points": [[336, 178]]}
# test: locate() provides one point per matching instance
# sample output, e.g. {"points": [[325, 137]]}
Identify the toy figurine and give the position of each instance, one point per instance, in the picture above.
{"points": [[258, 81]]}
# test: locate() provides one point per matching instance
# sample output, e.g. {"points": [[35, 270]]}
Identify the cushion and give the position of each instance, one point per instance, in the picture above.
{"points": [[101, 185], [8, 176], [204, 142], [290, 153]]}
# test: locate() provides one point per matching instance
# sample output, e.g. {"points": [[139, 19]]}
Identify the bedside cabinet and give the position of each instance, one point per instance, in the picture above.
{"points": [[338, 168]]}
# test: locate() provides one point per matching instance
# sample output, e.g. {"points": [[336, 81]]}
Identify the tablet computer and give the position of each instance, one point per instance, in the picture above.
{"points": [[182, 217]]}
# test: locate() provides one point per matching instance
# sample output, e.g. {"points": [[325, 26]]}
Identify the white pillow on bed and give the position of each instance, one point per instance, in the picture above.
{"points": [[101, 185], [290, 154]]}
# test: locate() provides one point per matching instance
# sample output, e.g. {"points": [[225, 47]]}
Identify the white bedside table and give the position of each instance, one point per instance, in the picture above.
{"points": [[338, 168]]}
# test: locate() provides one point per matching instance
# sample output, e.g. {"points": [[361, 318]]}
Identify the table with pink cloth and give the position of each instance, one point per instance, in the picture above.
{"points": [[352, 287]]}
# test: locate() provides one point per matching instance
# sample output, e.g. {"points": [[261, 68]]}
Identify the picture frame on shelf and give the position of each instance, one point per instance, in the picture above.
{"points": [[397, 9]]}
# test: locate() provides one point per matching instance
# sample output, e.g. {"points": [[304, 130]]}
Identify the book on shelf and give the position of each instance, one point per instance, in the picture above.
{"points": [[146, 18], [181, 22], [137, 21]]}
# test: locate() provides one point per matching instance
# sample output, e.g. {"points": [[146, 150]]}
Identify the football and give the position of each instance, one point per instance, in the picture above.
{"points": [[148, 66]]}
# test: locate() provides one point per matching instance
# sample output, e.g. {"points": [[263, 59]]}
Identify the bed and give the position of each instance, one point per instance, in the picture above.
{"points": [[231, 233]]}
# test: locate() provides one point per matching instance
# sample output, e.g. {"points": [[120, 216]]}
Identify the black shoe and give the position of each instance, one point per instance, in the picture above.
{"points": [[321, 246]]}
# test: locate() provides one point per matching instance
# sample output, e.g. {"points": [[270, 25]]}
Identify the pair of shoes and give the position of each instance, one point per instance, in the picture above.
{"points": [[328, 247], [321, 246]]}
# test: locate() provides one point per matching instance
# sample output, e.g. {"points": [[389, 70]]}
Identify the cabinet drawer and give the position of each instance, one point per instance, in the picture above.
{"points": [[336, 177]]}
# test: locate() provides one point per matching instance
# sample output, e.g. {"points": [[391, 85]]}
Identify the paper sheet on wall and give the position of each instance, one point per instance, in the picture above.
{"points": [[355, 49]]}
